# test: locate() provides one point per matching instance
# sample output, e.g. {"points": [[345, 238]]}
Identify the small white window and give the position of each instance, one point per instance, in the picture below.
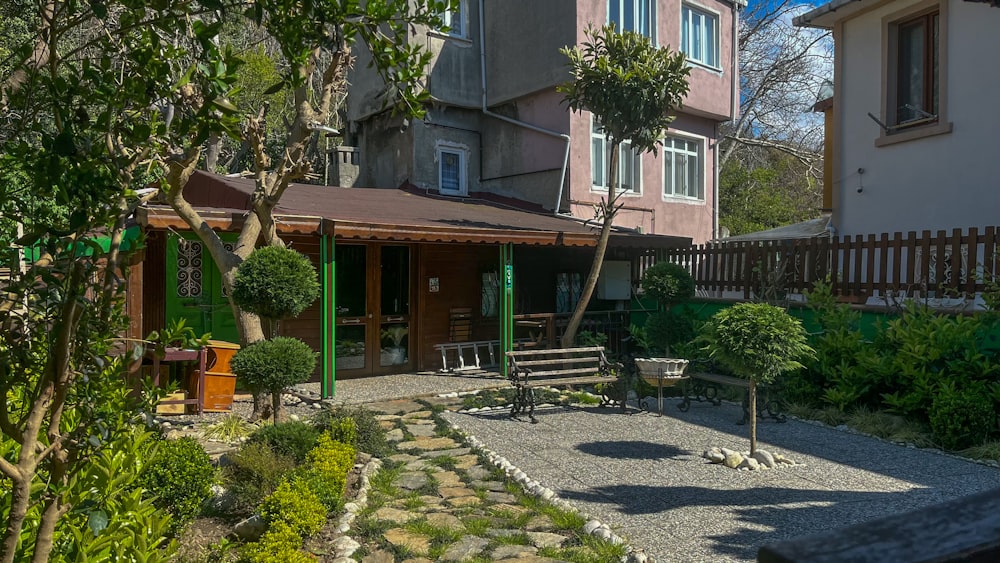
{"points": [[683, 168], [633, 15], [452, 171], [629, 162], [454, 19], [700, 36]]}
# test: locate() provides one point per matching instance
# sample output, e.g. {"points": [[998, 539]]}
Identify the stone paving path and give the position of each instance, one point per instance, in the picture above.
{"points": [[443, 504]]}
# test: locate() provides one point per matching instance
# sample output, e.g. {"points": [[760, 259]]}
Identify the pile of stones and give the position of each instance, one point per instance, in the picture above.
{"points": [[743, 461]]}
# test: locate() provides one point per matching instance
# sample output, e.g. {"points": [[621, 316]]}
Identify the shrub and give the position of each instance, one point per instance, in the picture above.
{"points": [[254, 471], [293, 439], [668, 283], [279, 543], [329, 464], [370, 435], [294, 504], [664, 330], [962, 417], [180, 475], [273, 365], [275, 283]]}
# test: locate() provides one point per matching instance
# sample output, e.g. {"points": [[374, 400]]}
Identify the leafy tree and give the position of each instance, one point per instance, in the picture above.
{"points": [[757, 342], [83, 128], [769, 194], [274, 365], [631, 87], [315, 41]]}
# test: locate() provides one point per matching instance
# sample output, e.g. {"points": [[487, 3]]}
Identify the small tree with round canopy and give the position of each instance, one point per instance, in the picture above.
{"points": [[275, 283], [758, 342]]}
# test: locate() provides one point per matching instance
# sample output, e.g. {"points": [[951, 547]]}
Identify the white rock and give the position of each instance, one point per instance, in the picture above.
{"points": [[733, 460], [714, 455], [749, 463], [765, 458], [293, 417]]}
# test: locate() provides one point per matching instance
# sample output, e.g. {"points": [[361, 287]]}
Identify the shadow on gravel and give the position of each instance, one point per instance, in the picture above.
{"points": [[767, 514], [632, 449]]}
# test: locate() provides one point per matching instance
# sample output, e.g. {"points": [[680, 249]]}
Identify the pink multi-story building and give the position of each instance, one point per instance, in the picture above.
{"points": [[497, 129]]}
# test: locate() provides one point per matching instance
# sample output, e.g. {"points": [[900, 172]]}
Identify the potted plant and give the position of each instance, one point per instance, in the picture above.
{"points": [[396, 353]]}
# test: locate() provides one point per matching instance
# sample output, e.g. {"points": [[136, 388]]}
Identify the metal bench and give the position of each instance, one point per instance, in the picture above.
{"points": [[528, 369], [705, 387]]}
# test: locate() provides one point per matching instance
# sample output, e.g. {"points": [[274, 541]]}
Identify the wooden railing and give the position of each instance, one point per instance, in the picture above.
{"points": [[550, 327], [927, 265]]}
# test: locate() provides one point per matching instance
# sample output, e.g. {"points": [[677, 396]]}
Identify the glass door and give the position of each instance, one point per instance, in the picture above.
{"points": [[373, 309]]}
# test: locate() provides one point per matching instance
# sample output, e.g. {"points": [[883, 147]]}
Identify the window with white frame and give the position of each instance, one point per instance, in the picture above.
{"points": [[454, 19], [629, 162], [452, 175], [683, 168], [633, 15], [700, 36]]}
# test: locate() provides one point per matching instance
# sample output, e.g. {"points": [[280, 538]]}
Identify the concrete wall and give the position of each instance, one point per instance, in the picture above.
{"points": [[457, 129], [386, 152], [936, 182], [523, 38]]}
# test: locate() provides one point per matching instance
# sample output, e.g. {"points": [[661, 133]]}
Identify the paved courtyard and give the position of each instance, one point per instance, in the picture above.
{"points": [[643, 475]]}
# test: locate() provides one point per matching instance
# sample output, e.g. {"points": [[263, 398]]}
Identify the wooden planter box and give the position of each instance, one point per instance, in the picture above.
{"points": [[220, 382]]}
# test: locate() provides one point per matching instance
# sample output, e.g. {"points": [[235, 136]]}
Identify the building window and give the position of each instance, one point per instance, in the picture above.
{"points": [[683, 168], [916, 72], [452, 171], [454, 19], [700, 36], [633, 15], [189, 282], [629, 162]]}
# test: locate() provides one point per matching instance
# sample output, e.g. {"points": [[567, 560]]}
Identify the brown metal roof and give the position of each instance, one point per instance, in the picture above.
{"points": [[389, 214]]}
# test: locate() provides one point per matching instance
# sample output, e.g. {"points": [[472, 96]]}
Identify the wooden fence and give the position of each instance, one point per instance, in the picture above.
{"points": [[938, 264]]}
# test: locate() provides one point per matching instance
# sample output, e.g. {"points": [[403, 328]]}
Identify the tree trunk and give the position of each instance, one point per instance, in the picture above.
{"points": [[20, 500], [752, 392], [212, 152], [608, 215], [276, 406]]}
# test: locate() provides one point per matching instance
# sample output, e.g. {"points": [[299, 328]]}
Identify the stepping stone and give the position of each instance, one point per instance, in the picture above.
{"points": [[451, 492], [412, 480], [454, 452], [513, 509], [512, 551], [505, 498], [530, 558], [386, 424], [379, 557], [420, 429], [495, 486], [445, 520], [466, 461], [540, 523], [403, 458], [394, 515], [422, 443], [395, 435], [459, 502], [448, 479], [418, 560], [546, 539], [418, 414], [395, 407], [421, 465], [465, 548], [416, 543], [478, 472]]}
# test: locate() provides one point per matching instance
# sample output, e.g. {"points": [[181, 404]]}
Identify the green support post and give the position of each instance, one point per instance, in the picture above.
{"points": [[506, 303], [328, 332]]}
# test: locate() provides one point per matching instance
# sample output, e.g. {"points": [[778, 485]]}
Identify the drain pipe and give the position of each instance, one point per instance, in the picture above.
{"points": [[511, 120]]}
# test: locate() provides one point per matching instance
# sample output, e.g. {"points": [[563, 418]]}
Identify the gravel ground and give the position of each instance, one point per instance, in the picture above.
{"points": [[643, 475]]}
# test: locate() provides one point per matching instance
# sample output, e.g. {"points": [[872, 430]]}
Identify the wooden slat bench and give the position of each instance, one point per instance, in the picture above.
{"points": [[705, 387], [556, 367]]}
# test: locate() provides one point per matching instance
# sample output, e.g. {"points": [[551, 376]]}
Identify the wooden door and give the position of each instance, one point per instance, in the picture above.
{"points": [[194, 290]]}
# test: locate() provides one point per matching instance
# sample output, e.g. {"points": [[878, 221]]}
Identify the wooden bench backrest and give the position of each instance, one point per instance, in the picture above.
{"points": [[557, 363]]}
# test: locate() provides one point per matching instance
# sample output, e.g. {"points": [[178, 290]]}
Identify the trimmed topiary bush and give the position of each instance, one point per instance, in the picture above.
{"points": [[329, 464], [279, 543], [962, 417], [666, 329], [274, 365], [275, 283], [758, 342], [180, 476], [296, 505], [668, 284], [294, 439]]}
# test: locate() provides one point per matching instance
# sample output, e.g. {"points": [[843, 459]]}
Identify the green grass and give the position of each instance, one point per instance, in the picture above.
{"points": [[413, 501], [382, 482], [230, 428], [580, 397], [987, 451], [444, 462], [520, 538], [477, 525], [889, 427], [585, 549]]}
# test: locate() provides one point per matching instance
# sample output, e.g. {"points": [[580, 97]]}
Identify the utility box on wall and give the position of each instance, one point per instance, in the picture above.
{"points": [[615, 281]]}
